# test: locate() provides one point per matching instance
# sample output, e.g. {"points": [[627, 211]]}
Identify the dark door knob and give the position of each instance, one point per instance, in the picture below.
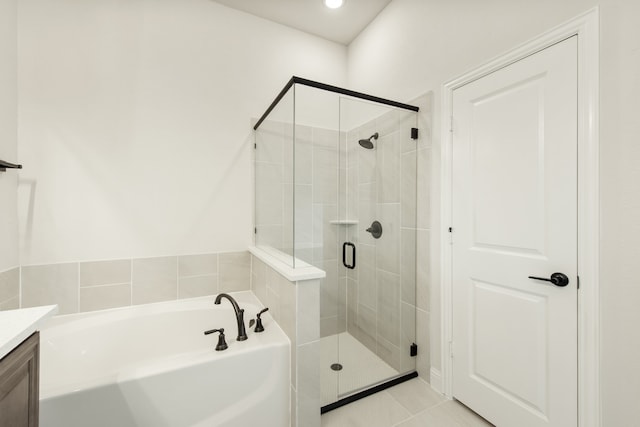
{"points": [[558, 279]]}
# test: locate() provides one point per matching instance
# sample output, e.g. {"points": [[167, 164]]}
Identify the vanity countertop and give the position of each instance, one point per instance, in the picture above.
{"points": [[18, 325]]}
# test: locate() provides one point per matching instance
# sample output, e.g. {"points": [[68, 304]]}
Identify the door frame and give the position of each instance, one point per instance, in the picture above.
{"points": [[586, 27]]}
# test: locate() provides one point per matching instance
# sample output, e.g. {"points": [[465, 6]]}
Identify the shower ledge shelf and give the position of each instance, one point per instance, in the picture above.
{"points": [[278, 261], [345, 222]]}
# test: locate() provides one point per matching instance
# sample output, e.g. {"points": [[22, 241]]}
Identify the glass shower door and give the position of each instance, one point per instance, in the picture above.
{"points": [[376, 235]]}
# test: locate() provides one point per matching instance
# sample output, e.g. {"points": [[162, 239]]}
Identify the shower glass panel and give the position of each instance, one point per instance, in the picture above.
{"points": [[274, 181], [377, 214], [336, 188]]}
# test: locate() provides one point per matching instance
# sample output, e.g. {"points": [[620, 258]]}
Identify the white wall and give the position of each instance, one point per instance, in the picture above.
{"points": [[134, 123], [8, 135], [134, 114], [416, 45]]}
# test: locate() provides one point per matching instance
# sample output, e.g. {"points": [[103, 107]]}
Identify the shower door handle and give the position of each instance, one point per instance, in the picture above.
{"points": [[353, 255]]}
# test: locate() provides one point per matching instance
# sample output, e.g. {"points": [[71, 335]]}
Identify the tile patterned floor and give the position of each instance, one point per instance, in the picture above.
{"points": [[410, 404]]}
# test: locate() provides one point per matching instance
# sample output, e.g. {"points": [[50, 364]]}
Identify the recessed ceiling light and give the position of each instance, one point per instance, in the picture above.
{"points": [[333, 4]]}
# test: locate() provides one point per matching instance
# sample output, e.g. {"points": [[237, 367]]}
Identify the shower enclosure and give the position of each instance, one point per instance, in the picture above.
{"points": [[335, 179]]}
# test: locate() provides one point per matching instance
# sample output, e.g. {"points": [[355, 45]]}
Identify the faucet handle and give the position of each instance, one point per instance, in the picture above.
{"points": [[222, 344], [259, 327]]}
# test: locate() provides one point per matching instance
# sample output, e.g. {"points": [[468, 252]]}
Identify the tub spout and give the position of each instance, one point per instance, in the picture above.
{"points": [[242, 334]]}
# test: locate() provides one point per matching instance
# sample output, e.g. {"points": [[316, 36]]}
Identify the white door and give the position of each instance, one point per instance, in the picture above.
{"points": [[515, 215]]}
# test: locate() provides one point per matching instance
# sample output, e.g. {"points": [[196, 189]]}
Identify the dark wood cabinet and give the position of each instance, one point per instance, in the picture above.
{"points": [[19, 395]]}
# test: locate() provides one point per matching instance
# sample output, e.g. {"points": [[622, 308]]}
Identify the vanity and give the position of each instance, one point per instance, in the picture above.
{"points": [[19, 364]]}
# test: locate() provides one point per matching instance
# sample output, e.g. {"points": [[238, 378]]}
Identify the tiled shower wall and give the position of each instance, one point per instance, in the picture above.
{"points": [[95, 285]]}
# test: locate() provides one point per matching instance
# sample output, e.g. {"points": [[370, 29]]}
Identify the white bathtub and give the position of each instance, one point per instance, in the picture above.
{"points": [[151, 366]]}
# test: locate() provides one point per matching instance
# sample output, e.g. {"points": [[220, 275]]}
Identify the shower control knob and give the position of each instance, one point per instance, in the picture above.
{"points": [[375, 229]]}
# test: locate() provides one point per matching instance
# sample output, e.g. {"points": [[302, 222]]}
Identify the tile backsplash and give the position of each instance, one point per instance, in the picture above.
{"points": [[96, 285]]}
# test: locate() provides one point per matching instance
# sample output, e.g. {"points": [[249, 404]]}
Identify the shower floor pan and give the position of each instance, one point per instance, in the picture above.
{"points": [[362, 369]]}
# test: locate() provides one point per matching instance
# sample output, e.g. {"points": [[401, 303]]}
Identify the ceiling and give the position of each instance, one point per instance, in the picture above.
{"points": [[312, 16]]}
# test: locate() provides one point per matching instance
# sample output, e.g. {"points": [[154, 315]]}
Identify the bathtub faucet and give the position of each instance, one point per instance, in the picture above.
{"points": [[242, 334]]}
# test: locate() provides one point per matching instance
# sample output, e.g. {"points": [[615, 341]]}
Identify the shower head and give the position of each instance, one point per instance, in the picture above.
{"points": [[367, 143]]}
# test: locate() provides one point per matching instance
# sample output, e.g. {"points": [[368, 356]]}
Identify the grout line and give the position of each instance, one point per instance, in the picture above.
{"points": [[78, 287], [262, 162], [219, 273], [104, 285], [177, 277], [19, 287], [437, 404], [198, 275], [131, 281]]}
